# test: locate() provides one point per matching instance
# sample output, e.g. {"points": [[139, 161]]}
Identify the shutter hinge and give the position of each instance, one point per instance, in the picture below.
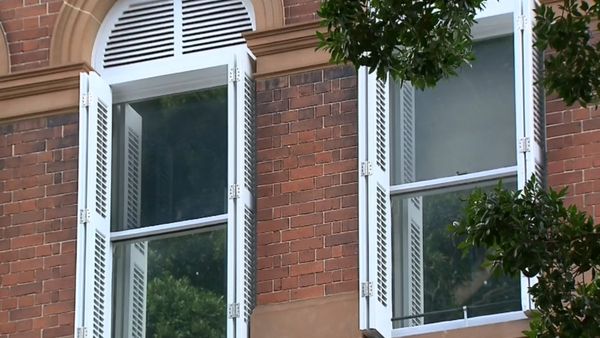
{"points": [[235, 75], [85, 100], [524, 145], [84, 216], [366, 168], [233, 310], [366, 289], [81, 332], [522, 22], [234, 191]]}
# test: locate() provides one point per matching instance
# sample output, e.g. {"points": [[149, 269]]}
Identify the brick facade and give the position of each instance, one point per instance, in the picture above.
{"points": [[573, 142], [307, 185], [28, 25], [299, 11], [38, 198]]}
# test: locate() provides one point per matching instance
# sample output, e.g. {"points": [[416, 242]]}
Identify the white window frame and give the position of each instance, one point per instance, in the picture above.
{"points": [[497, 19], [231, 66]]}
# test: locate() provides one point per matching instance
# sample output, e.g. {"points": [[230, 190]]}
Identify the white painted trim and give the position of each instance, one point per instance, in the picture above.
{"points": [[363, 247], [168, 228], [161, 67], [170, 84], [81, 202], [459, 324], [453, 181]]}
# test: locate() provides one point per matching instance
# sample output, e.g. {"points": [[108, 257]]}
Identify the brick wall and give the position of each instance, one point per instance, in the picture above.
{"points": [[573, 142], [307, 185], [28, 25], [300, 11], [38, 197]]}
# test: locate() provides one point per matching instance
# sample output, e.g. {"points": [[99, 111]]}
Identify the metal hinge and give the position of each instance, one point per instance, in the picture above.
{"points": [[85, 100], [84, 216], [524, 145], [366, 168], [233, 310], [81, 332], [235, 75], [234, 191], [366, 289], [522, 22]]}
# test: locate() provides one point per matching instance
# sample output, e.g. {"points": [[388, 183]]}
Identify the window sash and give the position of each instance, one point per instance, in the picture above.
{"points": [[416, 188], [168, 228]]}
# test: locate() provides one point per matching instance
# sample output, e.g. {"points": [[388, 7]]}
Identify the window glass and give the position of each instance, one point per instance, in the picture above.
{"points": [[179, 282], [183, 158], [465, 124], [432, 279]]}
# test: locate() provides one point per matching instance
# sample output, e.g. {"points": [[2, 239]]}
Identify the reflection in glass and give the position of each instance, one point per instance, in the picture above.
{"points": [[431, 275], [171, 287], [183, 161], [464, 125]]}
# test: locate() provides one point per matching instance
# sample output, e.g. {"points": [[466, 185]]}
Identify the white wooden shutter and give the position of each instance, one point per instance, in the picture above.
{"points": [[375, 270], [131, 288], [530, 110], [242, 221], [98, 260], [412, 219], [533, 92]]}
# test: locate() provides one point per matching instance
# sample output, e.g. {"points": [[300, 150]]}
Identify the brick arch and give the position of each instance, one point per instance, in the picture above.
{"points": [[79, 22], [4, 58]]}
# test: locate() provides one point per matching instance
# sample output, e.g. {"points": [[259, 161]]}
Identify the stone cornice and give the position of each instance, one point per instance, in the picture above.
{"points": [[286, 49], [43, 91]]}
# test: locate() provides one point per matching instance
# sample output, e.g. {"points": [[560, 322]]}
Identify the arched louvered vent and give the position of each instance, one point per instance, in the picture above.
{"points": [[209, 24], [144, 32], [155, 29]]}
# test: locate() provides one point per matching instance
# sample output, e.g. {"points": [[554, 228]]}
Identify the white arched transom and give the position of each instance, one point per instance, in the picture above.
{"points": [[141, 31]]}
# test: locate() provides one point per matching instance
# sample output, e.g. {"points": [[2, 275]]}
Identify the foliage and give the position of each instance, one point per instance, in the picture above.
{"points": [[417, 41], [572, 69], [425, 41], [533, 233], [450, 278], [177, 309]]}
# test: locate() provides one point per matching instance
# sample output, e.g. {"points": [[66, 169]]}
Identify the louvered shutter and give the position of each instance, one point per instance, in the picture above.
{"points": [[412, 219], [377, 288], [131, 293], [245, 230], [530, 109], [533, 92], [98, 260]]}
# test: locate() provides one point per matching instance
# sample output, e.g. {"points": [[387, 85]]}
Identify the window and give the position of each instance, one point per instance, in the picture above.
{"points": [[167, 180], [422, 153]]}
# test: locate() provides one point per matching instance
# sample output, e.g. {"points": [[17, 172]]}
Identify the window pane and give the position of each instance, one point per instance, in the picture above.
{"points": [[171, 287], [431, 276], [183, 158], [463, 125]]}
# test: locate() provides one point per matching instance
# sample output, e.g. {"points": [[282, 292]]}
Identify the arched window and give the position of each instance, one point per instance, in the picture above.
{"points": [[166, 192]]}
